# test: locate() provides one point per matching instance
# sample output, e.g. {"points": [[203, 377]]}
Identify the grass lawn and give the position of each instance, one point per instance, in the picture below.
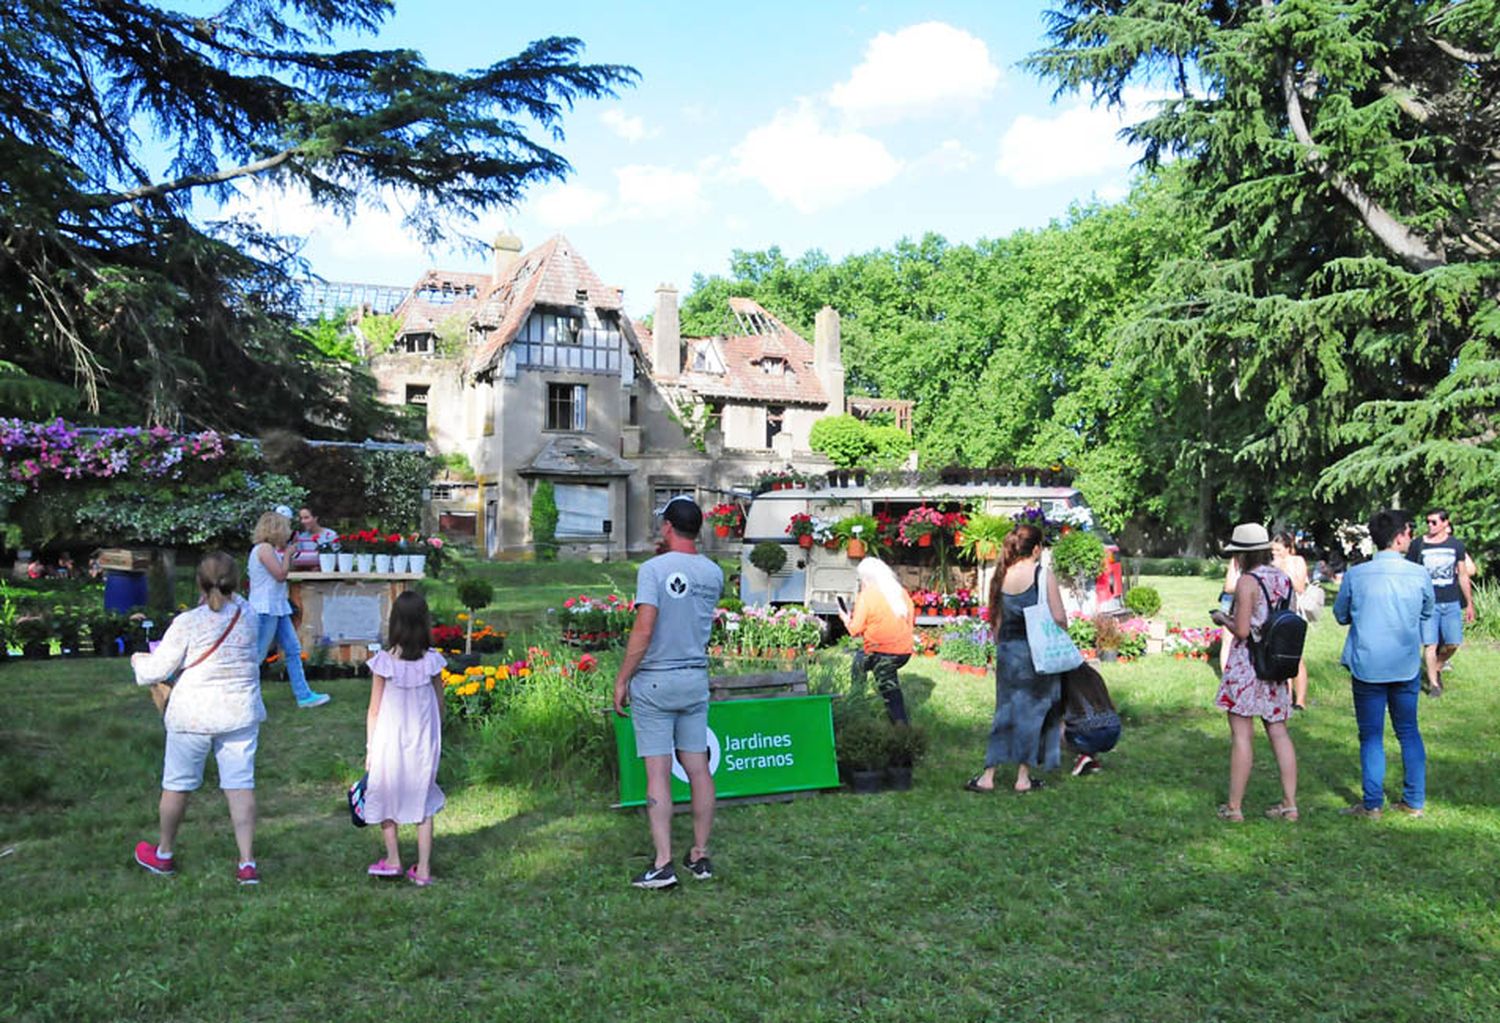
{"points": [[1114, 897]]}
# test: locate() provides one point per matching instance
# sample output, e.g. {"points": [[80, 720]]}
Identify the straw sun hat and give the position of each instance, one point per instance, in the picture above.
{"points": [[1248, 536]]}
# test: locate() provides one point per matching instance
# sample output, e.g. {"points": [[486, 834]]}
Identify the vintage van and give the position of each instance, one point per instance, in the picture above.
{"points": [[817, 577]]}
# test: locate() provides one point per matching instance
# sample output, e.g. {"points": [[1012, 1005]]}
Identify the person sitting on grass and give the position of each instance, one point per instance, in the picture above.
{"points": [[1244, 697], [404, 738], [1091, 725], [214, 707]]}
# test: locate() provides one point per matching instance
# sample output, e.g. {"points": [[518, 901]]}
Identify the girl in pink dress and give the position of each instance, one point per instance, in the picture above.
{"points": [[404, 738], [1243, 696]]}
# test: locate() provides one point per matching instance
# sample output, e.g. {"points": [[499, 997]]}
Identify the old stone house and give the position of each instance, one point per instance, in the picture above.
{"points": [[535, 372]]}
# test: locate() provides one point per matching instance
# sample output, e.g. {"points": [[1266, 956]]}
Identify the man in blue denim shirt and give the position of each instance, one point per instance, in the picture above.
{"points": [[1386, 602]]}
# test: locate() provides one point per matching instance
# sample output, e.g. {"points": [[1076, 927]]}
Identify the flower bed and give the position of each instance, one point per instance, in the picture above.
{"points": [[1191, 644], [594, 623], [483, 689]]}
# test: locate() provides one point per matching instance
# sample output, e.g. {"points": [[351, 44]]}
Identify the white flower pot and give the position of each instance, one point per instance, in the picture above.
{"points": [[364, 562], [418, 563], [346, 562], [383, 564], [400, 563], [327, 562]]}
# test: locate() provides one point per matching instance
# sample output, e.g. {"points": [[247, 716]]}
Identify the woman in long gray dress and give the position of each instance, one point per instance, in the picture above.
{"points": [[1027, 725]]}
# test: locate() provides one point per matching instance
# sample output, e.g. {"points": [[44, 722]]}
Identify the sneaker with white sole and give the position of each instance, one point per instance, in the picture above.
{"points": [[313, 700], [246, 874], [700, 869], [657, 877], [145, 855]]}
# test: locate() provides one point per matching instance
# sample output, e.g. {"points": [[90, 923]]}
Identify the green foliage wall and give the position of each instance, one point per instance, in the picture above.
{"points": [[544, 521]]}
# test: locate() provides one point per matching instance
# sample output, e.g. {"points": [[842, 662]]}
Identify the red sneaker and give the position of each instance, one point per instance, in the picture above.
{"points": [[247, 874], [145, 855]]}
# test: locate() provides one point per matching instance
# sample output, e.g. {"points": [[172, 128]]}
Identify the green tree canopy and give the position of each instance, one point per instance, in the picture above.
{"points": [[108, 281]]}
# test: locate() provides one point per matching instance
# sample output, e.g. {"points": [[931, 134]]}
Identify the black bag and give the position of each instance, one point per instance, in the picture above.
{"points": [[357, 801], [1275, 656]]}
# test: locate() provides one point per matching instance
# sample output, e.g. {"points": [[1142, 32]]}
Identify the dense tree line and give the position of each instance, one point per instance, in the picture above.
{"points": [[1294, 315]]}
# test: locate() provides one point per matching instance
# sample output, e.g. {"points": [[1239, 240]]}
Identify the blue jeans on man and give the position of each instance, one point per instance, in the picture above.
{"points": [[1372, 701]]}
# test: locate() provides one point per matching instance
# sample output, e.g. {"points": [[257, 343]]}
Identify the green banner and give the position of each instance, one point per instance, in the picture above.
{"points": [[755, 747]]}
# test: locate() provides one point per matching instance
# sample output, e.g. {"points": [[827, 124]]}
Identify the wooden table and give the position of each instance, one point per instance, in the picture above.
{"points": [[345, 612]]}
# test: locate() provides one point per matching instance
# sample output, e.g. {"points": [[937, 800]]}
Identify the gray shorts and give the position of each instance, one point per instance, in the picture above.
{"points": [[669, 711]]}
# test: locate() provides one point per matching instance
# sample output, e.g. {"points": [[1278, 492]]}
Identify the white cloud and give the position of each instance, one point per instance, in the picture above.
{"points": [[803, 163], [562, 206], [650, 193], [631, 129], [918, 71], [951, 156], [1081, 141]]}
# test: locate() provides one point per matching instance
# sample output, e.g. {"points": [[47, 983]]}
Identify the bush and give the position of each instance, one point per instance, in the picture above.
{"points": [[1144, 601], [544, 521], [906, 745], [475, 593], [863, 744], [842, 438], [1486, 611], [768, 556]]}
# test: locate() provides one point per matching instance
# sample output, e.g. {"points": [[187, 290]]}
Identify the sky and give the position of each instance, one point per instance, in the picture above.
{"points": [[843, 127]]}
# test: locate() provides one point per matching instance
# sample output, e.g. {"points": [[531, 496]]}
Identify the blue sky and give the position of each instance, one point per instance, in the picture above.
{"points": [[837, 126]]}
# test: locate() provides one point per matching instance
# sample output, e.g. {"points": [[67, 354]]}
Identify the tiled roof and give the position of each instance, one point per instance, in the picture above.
{"points": [[458, 293], [552, 274], [743, 378], [575, 455]]}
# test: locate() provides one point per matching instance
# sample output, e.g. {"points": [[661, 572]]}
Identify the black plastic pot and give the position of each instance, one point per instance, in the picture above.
{"points": [[1107, 656], [865, 783], [899, 778]]}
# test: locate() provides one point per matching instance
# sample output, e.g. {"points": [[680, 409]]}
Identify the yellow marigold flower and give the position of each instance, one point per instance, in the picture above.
{"points": [[503, 672], [489, 669], [489, 685], [462, 617], [524, 672], [475, 670]]}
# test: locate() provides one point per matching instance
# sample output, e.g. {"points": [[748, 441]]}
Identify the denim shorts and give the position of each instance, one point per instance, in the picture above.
{"points": [[1093, 740], [182, 770], [1446, 626], [669, 711]]}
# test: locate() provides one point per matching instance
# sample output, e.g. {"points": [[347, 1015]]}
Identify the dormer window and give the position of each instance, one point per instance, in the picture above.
{"points": [[773, 366], [581, 296]]}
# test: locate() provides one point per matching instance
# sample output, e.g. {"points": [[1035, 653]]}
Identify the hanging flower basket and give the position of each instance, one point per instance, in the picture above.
{"points": [[855, 548]]}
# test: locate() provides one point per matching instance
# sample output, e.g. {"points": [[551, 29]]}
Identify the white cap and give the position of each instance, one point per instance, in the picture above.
{"points": [[282, 509]]}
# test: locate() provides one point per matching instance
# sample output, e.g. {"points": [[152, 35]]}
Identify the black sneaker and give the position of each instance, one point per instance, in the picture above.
{"points": [[701, 868], [657, 877]]}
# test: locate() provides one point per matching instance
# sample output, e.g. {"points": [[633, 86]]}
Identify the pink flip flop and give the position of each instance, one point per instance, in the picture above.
{"points": [[420, 882], [380, 868]]}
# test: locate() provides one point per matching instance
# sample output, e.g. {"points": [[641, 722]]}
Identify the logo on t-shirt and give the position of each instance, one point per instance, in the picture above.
{"points": [[677, 585]]}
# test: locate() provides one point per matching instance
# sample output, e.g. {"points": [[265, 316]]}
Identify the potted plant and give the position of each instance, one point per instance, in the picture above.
{"points": [[863, 752], [1108, 638], [33, 633], [860, 533], [822, 533], [107, 634], [982, 537], [328, 555], [1077, 557], [344, 556], [425, 552], [726, 518], [800, 528], [768, 556], [919, 525], [386, 546], [906, 745], [473, 594]]}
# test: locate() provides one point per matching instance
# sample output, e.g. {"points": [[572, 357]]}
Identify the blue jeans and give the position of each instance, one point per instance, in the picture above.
{"points": [[279, 628], [1371, 701]]}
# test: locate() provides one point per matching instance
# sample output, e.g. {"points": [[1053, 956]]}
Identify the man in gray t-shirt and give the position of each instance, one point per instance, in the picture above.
{"points": [[664, 678]]}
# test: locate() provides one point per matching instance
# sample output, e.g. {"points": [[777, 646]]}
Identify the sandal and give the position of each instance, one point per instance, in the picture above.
{"points": [[1282, 812], [1037, 784], [417, 879], [972, 785], [1232, 816]]}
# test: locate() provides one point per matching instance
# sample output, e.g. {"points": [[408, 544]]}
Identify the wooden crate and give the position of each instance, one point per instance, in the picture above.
{"points": [[124, 559]]}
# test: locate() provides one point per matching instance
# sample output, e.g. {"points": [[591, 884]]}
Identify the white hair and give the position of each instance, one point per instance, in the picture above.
{"points": [[876, 573]]}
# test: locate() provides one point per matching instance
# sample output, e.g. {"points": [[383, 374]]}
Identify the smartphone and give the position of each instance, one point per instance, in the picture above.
{"points": [[843, 604]]}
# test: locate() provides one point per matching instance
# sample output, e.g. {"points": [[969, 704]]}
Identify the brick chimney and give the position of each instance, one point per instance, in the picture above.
{"points": [[507, 249], [828, 362], [666, 334]]}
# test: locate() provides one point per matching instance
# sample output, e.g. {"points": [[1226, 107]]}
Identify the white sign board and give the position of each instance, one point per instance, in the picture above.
{"points": [[351, 619]]}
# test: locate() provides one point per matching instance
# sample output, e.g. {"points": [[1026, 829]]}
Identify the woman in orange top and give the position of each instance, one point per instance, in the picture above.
{"points": [[883, 615]]}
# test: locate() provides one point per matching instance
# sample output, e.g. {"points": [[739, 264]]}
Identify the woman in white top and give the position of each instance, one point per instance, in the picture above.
{"points": [[1285, 557], [214, 707], [270, 561]]}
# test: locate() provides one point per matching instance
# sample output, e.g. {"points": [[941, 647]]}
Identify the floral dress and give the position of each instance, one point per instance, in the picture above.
{"points": [[1241, 692]]}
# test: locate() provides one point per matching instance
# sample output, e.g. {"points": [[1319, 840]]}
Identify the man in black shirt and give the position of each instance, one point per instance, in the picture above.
{"points": [[1446, 560]]}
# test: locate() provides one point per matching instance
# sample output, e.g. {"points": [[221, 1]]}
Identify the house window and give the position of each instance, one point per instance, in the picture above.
{"points": [[416, 344], [582, 509], [661, 493], [416, 394], [567, 406], [635, 411], [774, 416], [772, 366]]}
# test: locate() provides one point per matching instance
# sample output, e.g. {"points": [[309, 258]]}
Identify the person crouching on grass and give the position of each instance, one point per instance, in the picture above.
{"points": [[664, 678], [215, 707], [883, 615], [404, 738]]}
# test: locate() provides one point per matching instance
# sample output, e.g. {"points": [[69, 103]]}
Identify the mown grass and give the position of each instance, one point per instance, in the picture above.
{"points": [[1115, 897]]}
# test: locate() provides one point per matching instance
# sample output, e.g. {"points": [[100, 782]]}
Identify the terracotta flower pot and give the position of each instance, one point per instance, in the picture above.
{"points": [[721, 531], [805, 540], [925, 540], [856, 549], [832, 543]]}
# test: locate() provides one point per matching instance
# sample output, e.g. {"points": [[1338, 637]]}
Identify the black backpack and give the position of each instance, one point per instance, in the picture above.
{"points": [[1275, 656]]}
